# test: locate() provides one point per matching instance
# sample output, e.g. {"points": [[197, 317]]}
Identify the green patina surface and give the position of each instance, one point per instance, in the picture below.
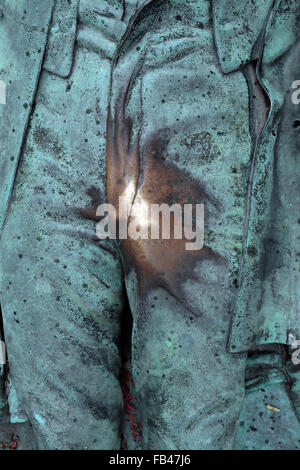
{"points": [[205, 87]]}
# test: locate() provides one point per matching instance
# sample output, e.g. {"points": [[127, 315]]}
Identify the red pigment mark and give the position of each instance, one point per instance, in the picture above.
{"points": [[12, 445], [130, 407]]}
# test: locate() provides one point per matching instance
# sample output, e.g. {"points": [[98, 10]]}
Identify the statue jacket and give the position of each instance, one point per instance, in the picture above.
{"points": [[261, 37]]}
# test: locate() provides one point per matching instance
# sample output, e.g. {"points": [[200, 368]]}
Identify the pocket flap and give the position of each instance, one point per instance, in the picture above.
{"points": [[60, 46]]}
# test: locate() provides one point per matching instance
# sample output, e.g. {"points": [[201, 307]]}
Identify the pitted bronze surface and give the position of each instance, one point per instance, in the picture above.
{"points": [[158, 263]]}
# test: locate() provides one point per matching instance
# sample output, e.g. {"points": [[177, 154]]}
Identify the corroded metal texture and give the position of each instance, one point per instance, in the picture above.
{"points": [[158, 101]]}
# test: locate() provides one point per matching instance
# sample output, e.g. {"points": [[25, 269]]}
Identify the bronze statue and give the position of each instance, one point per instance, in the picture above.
{"points": [[141, 344]]}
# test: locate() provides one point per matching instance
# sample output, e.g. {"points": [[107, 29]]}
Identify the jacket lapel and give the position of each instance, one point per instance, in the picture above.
{"points": [[237, 28], [23, 35]]}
